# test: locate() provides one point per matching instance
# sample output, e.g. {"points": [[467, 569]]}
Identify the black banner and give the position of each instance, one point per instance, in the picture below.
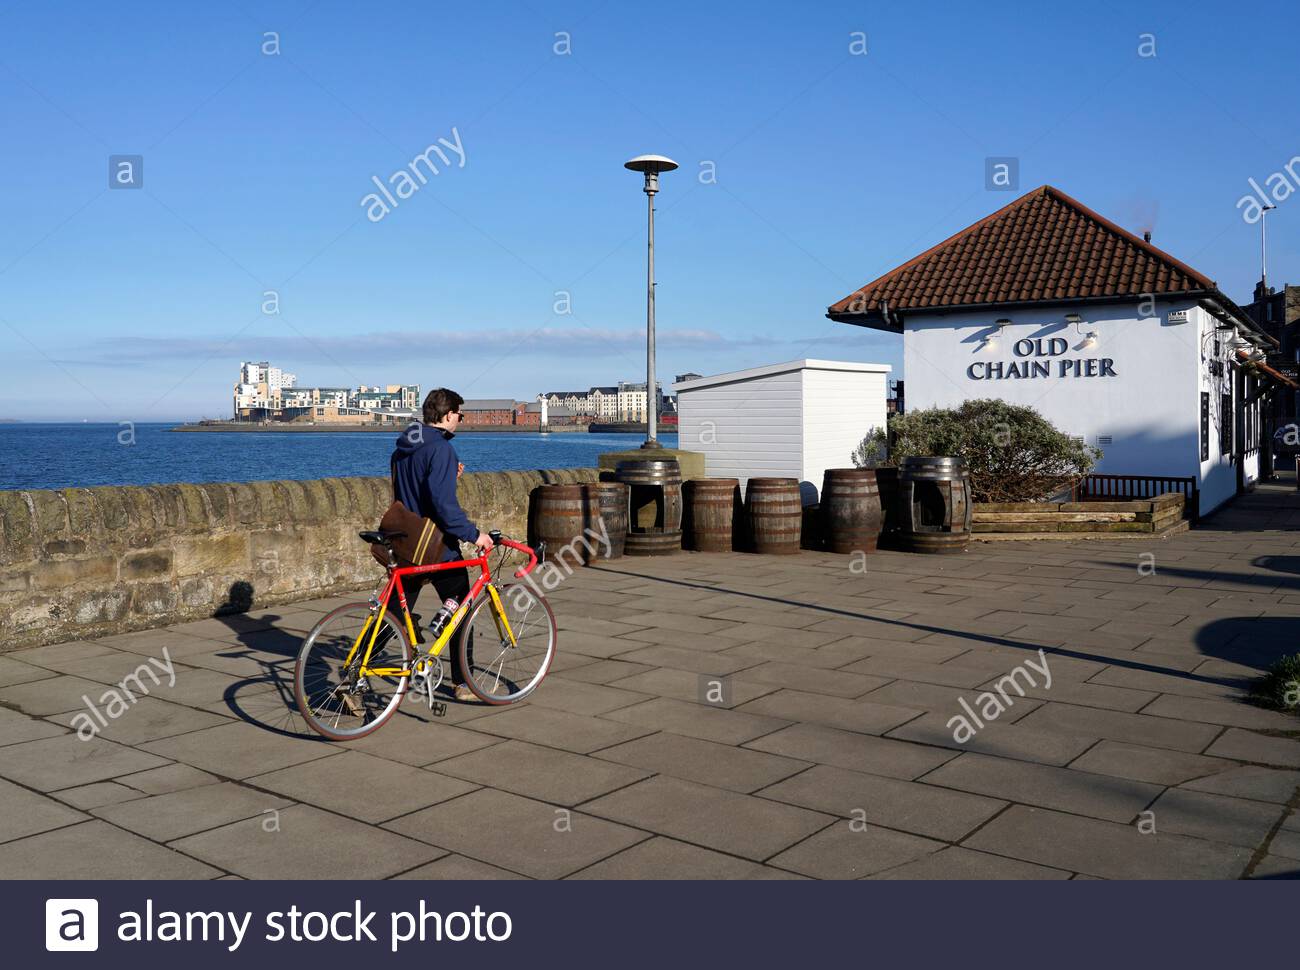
{"points": [[640, 924]]}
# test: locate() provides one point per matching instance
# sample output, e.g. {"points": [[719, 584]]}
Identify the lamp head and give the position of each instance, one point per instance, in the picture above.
{"points": [[651, 166]]}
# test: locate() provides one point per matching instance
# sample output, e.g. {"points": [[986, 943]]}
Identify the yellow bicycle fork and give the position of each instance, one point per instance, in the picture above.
{"points": [[375, 620]]}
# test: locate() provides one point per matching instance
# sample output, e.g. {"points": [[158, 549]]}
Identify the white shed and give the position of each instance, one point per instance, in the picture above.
{"points": [[790, 420]]}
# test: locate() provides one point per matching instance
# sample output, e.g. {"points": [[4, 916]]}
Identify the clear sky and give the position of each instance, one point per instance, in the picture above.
{"points": [[831, 167]]}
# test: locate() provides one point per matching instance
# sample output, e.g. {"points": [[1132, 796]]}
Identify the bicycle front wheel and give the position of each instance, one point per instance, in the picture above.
{"points": [[500, 671], [335, 699]]}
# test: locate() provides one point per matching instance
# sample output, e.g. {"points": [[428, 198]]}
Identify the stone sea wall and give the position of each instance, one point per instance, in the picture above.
{"points": [[79, 563]]}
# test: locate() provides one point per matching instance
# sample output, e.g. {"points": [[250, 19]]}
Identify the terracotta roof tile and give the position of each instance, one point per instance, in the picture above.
{"points": [[1043, 247]]}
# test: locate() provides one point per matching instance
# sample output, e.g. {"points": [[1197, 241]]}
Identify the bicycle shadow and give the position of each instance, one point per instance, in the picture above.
{"points": [[266, 699]]}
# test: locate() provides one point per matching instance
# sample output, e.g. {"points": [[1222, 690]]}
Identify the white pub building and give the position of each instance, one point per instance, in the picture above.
{"points": [[1046, 303]]}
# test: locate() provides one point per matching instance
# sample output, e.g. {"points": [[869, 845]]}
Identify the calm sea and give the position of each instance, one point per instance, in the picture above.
{"points": [[67, 455]]}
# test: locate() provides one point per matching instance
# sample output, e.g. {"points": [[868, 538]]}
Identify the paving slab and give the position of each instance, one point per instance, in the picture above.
{"points": [[742, 825], [67, 761], [16, 728], [908, 806], [163, 818], [546, 774], [519, 834], [1248, 746], [663, 858], [705, 762], [599, 671], [1140, 763], [53, 695], [1276, 867], [1251, 781], [1219, 818], [1098, 796], [579, 698], [697, 720], [862, 716], [1156, 732], [558, 729], [168, 778], [997, 738], [146, 719], [1227, 712], [687, 685], [815, 743], [24, 813], [303, 842], [362, 786], [97, 850], [14, 672], [413, 736], [955, 862], [452, 867], [852, 850], [1105, 849], [96, 794], [239, 750]]}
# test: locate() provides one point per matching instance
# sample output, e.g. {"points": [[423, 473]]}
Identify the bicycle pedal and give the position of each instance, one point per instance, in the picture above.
{"points": [[439, 708]]}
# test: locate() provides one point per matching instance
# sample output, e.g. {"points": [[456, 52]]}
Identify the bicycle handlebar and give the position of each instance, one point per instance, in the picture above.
{"points": [[500, 540]]}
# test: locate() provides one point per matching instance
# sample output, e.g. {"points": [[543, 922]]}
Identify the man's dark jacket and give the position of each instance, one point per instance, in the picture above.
{"points": [[424, 473]]}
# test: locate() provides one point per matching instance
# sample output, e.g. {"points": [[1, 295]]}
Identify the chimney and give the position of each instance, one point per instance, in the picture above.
{"points": [[1146, 235]]}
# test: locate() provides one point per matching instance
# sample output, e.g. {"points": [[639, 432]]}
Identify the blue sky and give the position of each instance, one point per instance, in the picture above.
{"points": [[831, 168]]}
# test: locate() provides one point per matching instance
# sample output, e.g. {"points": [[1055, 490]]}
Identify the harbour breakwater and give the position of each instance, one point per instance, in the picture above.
{"points": [[80, 563]]}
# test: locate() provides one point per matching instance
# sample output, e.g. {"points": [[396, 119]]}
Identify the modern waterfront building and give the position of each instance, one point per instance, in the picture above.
{"points": [[1048, 304]]}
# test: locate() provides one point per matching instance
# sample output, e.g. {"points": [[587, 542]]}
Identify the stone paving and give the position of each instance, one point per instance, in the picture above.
{"points": [[830, 757]]}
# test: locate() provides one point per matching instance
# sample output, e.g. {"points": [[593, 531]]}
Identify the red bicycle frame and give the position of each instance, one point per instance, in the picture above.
{"points": [[397, 573]]}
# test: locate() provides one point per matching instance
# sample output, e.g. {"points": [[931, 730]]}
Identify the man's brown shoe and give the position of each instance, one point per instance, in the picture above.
{"points": [[463, 693]]}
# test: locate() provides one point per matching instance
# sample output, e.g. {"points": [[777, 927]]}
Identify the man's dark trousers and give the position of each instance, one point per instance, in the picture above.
{"points": [[447, 582]]}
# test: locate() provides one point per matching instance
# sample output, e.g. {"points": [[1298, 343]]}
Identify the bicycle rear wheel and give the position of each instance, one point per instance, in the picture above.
{"points": [[336, 701], [500, 672]]}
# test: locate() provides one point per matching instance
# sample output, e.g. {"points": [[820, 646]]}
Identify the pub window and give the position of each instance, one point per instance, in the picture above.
{"points": [[1225, 425], [1205, 425]]}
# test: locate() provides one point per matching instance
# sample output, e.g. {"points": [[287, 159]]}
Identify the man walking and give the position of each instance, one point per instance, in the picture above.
{"points": [[425, 469]]}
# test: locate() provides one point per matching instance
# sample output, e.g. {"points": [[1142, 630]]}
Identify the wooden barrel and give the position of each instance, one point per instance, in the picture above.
{"points": [[611, 498], [775, 514], [560, 516], [711, 519], [850, 510], [934, 504], [654, 506]]}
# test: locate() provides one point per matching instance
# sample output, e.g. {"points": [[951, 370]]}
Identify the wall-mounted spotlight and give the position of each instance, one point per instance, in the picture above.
{"points": [[991, 339], [1073, 319], [1090, 339]]}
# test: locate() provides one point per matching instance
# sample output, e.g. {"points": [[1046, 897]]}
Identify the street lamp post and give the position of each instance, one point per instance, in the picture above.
{"points": [[651, 166]]}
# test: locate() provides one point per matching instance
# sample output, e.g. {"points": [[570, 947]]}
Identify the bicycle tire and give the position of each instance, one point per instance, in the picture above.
{"points": [[302, 691], [484, 679]]}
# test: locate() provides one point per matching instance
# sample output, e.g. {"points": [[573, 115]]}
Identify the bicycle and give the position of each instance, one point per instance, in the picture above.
{"points": [[355, 665]]}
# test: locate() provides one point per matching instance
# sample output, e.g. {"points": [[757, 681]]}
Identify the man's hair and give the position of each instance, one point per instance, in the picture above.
{"points": [[440, 403]]}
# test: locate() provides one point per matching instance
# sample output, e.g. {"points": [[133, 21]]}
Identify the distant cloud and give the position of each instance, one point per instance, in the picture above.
{"points": [[406, 345]]}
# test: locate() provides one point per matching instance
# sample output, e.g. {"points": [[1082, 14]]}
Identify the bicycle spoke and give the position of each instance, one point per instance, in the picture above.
{"points": [[332, 696]]}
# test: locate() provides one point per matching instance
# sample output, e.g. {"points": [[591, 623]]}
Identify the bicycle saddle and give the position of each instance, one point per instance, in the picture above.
{"points": [[381, 538]]}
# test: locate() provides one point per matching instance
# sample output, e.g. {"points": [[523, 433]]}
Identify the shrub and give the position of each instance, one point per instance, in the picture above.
{"points": [[1013, 453], [1280, 687]]}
